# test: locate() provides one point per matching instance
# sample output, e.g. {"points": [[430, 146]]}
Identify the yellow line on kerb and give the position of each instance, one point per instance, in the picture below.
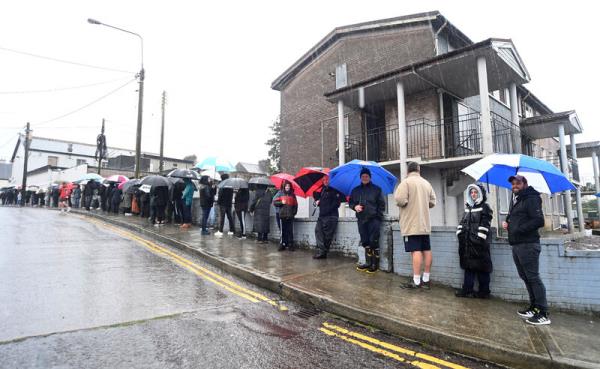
{"points": [[361, 340], [196, 269]]}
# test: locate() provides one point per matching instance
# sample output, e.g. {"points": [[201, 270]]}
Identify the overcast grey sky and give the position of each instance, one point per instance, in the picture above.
{"points": [[216, 60]]}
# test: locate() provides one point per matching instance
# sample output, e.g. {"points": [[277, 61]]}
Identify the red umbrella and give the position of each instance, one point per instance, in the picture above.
{"points": [[310, 179], [277, 180]]}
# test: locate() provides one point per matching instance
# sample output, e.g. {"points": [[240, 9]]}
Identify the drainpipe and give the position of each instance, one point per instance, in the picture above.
{"points": [[436, 35]]}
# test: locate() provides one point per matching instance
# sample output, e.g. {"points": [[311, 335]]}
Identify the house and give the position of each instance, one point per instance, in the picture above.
{"points": [[416, 88], [49, 155], [5, 173], [248, 170]]}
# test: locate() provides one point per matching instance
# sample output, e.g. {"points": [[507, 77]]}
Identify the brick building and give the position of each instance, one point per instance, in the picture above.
{"points": [[415, 88]]}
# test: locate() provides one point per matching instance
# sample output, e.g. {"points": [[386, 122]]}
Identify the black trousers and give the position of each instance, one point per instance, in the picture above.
{"points": [[482, 277], [527, 261], [287, 232], [158, 213], [226, 211], [241, 217], [369, 233], [325, 231]]}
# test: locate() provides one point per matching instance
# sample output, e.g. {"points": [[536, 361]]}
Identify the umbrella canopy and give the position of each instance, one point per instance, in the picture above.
{"points": [[256, 182], [33, 188], [156, 181], [174, 180], [277, 180], [235, 183], [212, 174], [216, 164], [346, 177], [89, 177], [117, 178], [145, 188], [129, 186], [310, 179], [598, 194], [183, 173], [541, 175]]}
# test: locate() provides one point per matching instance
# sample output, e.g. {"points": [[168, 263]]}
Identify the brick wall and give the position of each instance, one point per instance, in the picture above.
{"points": [[308, 124]]}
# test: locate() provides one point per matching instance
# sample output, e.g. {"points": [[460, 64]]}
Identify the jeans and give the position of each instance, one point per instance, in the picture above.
{"points": [[205, 215], [527, 261], [482, 277]]}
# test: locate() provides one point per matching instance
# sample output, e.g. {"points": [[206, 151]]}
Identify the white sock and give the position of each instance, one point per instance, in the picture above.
{"points": [[425, 277], [417, 279]]}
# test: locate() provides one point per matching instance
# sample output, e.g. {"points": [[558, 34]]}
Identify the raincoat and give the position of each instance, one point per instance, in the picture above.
{"points": [[261, 207], [473, 232]]}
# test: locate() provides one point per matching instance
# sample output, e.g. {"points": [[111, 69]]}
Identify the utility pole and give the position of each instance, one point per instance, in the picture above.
{"points": [[25, 160], [162, 132], [101, 147], [138, 138]]}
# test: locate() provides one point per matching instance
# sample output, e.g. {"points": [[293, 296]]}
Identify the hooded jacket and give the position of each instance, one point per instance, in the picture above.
{"points": [[473, 232], [286, 202], [525, 217]]}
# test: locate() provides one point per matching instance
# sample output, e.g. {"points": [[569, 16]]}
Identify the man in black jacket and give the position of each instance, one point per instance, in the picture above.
{"points": [[225, 200], [328, 201], [367, 201], [207, 199], [524, 219]]}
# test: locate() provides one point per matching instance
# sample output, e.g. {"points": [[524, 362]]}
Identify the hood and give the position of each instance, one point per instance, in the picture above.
{"points": [[482, 196]]}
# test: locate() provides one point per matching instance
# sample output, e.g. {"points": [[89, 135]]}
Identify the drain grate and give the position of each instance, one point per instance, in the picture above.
{"points": [[306, 313]]}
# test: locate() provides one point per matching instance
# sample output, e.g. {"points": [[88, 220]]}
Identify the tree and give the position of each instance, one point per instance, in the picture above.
{"points": [[192, 157], [274, 144]]}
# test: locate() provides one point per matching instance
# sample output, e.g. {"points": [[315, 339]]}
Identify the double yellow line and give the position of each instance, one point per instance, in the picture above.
{"points": [[387, 349], [202, 272]]}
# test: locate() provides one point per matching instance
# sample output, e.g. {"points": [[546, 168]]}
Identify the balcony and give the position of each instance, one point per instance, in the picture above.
{"points": [[431, 140]]}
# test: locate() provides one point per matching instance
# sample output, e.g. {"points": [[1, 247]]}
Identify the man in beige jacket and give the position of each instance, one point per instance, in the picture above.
{"points": [[415, 197]]}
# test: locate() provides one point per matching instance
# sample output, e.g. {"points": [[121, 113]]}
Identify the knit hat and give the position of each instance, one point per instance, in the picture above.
{"points": [[365, 170]]}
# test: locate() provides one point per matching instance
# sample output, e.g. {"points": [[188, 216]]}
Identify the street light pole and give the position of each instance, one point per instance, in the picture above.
{"points": [[141, 77], [25, 160]]}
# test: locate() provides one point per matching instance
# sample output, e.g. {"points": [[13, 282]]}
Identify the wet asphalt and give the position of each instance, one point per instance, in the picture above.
{"points": [[75, 294]]}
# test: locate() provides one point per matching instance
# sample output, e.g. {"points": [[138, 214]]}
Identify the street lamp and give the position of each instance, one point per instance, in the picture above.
{"points": [[141, 76]]}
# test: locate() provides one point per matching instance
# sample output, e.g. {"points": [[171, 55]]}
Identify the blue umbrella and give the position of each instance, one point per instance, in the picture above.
{"points": [[497, 168], [217, 164], [346, 177], [598, 194], [90, 177]]}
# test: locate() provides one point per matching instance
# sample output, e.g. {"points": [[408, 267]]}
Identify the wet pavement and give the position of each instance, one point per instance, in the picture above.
{"points": [[76, 293]]}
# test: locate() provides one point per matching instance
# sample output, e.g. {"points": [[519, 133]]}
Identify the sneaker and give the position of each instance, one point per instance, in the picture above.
{"points": [[281, 247], [230, 233], [219, 234], [526, 313], [425, 285], [68, 210], [411, 285], [539, 318], [462, 293]]}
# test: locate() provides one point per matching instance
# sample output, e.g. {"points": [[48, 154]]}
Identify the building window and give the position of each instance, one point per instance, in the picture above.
{"points": [[81, 161], [341, 76], [174, 165], [53, 161]]}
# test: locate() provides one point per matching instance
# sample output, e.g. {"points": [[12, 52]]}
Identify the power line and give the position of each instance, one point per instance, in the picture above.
{"points": [[86, 105], [65, 61], [59, 88]]}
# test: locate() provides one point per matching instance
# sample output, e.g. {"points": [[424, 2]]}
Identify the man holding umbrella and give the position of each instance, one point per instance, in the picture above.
{"points": [[367, 201], [524, 218], [328, 200]]}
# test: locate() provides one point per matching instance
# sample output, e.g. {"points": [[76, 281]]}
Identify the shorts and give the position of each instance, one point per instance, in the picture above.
{"points": [[417, 243]]}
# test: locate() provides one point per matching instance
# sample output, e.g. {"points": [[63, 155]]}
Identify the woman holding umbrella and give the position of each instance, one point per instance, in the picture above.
{"points": [[288, 207]]}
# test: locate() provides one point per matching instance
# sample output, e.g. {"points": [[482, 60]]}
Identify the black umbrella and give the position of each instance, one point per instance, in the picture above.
{"points": [[235, 183], [156, 181], [259, 182], [131, 185], [184, 173]]}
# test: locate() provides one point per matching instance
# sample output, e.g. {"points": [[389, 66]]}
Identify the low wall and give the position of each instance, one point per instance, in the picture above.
{"points": [[571, 277]]}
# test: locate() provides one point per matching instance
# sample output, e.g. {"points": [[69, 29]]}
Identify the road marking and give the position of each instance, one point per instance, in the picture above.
{"points": [[202, 272], [369, 342]]}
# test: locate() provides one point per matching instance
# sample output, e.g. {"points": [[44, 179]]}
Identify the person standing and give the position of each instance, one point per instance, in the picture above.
{"points": [[242, 196], [415, 197], [474, 243], [225, 201], [367, 201], [328, 200], [88, 192], [159, 196], [55, 196], [188, 198], [261, 210], [116, 197], [524, 219], [288, 208], [207, 200], [76, 196], [64, 193]]}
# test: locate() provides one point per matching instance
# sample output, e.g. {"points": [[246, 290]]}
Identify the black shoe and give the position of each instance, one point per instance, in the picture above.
{"points": [[281, 247], [539, 318], [462, 293], [482, 295], [320, 256], [411, 285], [526, 313]]}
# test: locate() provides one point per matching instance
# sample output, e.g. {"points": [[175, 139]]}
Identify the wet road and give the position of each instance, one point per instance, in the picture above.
{"points": [[77, 293]]}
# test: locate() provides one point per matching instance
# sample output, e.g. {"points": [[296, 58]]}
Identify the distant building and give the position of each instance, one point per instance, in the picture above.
{"points": [[5, 173], [248, 170]]}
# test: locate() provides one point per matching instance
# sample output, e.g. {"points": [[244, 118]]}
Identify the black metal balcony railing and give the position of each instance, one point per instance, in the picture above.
{"points": [[431, 140]]}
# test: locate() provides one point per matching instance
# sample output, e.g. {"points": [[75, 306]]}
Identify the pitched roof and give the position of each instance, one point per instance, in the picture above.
{"points": [[344, 31], [249, 168]]}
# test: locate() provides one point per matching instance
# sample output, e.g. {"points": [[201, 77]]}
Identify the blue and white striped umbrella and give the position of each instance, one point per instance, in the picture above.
{"points": [[216, 164], [497, 168]]}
